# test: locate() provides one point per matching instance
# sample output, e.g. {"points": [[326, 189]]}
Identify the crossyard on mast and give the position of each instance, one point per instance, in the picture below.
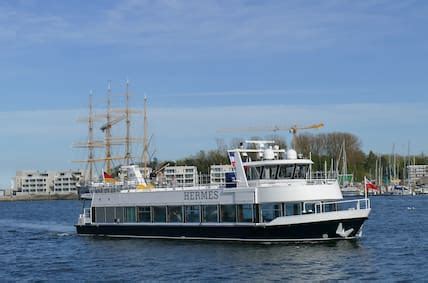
{"points": [[112, 118]]}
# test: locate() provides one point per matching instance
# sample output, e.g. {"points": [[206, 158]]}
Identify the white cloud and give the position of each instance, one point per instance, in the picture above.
{"points": [[233, 25], [43, 139]]}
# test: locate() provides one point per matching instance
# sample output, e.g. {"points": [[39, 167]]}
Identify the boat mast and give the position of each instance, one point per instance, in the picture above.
{"points": [[108, 131], [145, 140], [128, 127], [91, 138]]}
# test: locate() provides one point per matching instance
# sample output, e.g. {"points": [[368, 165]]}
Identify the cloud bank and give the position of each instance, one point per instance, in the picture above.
{"points": [[42, 139]]}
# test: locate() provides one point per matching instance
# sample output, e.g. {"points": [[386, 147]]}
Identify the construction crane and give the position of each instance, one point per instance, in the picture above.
{"points": [[113, 122], [292, 130]]}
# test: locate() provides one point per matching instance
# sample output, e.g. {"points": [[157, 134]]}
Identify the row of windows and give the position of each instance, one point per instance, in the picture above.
{"points": [[34, 180], [274, 172], [241, 213]]}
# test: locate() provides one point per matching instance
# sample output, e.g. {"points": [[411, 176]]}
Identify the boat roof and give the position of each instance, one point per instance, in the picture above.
{"points": [[278, 162]]}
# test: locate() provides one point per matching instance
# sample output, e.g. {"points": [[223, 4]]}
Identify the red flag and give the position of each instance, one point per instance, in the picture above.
{"points": [[371, 185], [107, 176]]}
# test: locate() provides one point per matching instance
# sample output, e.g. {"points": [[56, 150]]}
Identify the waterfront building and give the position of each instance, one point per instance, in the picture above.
{"points": [[417, 172], [66, 181], [46, 182], [218, 174], [181, 176]]}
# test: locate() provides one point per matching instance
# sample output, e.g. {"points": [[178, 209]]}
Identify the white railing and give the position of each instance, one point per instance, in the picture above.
{"points": [[343, 205], [85, 217]]}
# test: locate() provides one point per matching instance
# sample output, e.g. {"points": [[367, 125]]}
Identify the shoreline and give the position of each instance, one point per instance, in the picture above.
{"points": [[40, 197]]}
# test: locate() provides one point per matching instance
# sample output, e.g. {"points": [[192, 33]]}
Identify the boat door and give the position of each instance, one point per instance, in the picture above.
{"points": [[312, 207]]}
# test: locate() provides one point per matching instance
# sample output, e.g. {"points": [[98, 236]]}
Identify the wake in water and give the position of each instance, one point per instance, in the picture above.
{"points": [[61, 229]]}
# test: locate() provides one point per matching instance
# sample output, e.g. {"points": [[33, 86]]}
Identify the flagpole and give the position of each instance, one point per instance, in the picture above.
{"points": [[365, 187]]}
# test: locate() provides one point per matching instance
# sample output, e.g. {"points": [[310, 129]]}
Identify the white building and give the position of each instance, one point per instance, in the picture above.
{"points": [[417, 172], [46, 182], [66, 181], [218, 174], [181, 176]]}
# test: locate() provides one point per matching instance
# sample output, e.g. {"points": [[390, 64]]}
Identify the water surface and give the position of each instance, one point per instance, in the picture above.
{"points": [[38, 242]]}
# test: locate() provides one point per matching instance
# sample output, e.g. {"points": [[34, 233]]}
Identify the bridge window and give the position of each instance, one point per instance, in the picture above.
{"points": [[300, 171], [269, 172], [286, 171], [254, 172], [209, 213]]}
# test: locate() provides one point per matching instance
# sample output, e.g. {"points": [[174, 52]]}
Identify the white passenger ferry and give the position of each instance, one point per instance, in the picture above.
{"points": [[272, 198]]}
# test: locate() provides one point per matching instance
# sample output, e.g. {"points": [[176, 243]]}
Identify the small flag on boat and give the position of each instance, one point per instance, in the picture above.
{"points": [[368, 185], [232, 158], [108, 178]]}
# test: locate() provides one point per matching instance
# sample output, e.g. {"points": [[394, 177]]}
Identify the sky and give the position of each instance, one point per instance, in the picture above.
{"points": [[357, 66]]}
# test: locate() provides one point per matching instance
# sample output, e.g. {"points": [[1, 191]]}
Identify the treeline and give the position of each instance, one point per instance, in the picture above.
{"points": [[323, 149]]}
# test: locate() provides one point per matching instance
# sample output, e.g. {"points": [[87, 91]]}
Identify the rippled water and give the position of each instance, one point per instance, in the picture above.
{"points": [[38, 242]]}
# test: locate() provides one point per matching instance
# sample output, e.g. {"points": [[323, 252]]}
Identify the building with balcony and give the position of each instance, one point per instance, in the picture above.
{"points": [[218, 174], [181, 176], [46, 182]]}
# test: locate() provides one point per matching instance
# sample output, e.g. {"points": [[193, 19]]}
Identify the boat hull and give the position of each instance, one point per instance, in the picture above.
{"points": [[325, 230]]}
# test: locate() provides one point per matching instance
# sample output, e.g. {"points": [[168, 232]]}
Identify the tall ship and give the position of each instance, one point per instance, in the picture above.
{"points": [[112, 162], [270, 196]]}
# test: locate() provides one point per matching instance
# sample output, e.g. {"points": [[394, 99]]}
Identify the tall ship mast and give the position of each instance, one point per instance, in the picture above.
{"points": [[90, 145], [113, 118]]}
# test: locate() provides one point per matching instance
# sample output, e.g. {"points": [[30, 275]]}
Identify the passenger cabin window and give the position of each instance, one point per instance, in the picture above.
{"points": [[100, 214], [159, 214], [110, 218], [209, 213], [228, 213], [192, 213], [144, 214], [119, 215], [175, 214], [270, 211], [130, 215], [293, 208], [245, 213]]}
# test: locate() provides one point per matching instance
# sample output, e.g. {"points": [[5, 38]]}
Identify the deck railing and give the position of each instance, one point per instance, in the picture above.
{"points": [[85, 217], [355, 204]]}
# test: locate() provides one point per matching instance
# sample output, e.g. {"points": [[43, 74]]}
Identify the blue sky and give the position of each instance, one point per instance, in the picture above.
{"points": [[358, 66]]}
